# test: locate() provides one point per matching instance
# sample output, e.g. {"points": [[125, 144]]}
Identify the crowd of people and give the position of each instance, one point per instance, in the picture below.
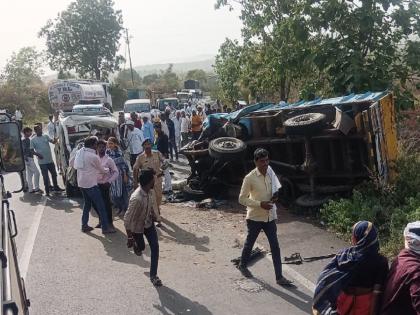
{"points": [[358, 280]]}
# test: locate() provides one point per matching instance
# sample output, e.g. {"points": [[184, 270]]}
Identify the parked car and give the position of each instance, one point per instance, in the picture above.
{"points": [[317, 148], [73, 128]]}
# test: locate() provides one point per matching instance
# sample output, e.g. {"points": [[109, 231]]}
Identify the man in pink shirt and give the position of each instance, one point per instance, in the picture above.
{"points": [[105, 180], [88, 166]]}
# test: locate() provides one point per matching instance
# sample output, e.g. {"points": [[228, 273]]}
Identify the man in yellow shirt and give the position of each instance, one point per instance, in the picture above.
{"points": [[257, 195]]}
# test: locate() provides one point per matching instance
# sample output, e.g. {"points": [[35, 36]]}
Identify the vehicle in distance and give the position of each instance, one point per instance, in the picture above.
{"points": [[140, 105]]}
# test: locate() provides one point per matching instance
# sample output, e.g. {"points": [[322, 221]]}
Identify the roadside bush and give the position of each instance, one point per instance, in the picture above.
{"points": [[390, 208]]}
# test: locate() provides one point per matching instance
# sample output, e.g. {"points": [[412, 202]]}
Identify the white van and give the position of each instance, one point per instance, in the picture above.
{"points": [[139, 105]]}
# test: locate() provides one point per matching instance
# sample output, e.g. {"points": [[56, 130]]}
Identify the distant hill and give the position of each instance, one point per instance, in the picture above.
{"points": [[179, 68]]}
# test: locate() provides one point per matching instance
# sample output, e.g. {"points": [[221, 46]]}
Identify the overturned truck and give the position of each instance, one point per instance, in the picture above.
{"points": [[318, 148]]}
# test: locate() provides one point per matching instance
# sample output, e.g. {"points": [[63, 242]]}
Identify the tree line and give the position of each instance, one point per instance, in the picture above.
{"points": [[304, 49]]}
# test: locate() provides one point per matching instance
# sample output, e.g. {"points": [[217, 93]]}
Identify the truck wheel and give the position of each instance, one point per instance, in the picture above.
{"points": [[304, 124], [227, 148]]}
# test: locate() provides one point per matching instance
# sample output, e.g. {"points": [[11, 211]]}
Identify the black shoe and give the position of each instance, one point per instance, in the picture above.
{"points": [[58, 189], [137, 251], [47, 194], [245, 271], [98, 226], [109, 231], [86, 228], [284, 282]]}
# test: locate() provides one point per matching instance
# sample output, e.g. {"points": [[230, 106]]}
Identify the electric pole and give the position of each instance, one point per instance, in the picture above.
{"points": [[129, 56]]}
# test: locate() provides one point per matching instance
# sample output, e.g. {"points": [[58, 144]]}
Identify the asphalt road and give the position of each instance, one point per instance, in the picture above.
{"points": [[69, 272]]}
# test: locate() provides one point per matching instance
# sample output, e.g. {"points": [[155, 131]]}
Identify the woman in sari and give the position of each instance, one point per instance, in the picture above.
{"points": [[352, 282], [119, 187]]}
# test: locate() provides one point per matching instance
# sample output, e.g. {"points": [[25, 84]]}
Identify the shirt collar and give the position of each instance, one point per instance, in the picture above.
{"points": [[90, 150], [257, 171]]}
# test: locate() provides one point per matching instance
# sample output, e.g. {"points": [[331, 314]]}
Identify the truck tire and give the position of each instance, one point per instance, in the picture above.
{"points": [[227, 148], [304, 124], [192, 194]]}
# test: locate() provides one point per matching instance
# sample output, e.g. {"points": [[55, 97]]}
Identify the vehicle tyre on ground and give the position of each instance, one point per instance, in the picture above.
{"points": [[227, 148], [192, 194], [305, 124]]}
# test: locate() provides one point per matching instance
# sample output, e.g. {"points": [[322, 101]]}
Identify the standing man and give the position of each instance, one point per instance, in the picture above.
{"points": [[177, 124], [172, 137], [89, 168], [105, 180], [196, 125], [134, 140], [136, 120], [256, 194], [138, 221], [18, 117], [185, 128], [40, 146], [148, 130], [162, 144], [163, 124], [31, 169], [51, 127]]}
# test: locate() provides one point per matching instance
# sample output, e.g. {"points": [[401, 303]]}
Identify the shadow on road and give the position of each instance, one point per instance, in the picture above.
{"points": [[184, 237], [302, 302], [174, 303], [115, 246]]}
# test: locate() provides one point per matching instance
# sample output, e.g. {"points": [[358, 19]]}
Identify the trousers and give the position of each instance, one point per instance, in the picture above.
{"points": [[45, 168], [152, 239], [31, 172], [92, 196], [270, 230]]}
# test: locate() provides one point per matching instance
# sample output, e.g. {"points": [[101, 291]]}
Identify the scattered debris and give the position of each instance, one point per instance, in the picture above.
{"points": [[297, 259], [256, 253]]}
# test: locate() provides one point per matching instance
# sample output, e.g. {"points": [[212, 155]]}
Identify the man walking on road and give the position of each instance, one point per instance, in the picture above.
{"points": [[134, 140], [105, 180], [31, 169], [196, 125], [177, 124], [138, 221], [185, 128], [256, 194], [172, 137], [89, 167], [148, 130], [40, 146]]}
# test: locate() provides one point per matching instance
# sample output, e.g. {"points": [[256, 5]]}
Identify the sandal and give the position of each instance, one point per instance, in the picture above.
{"points": [[284, 282], [156, 281]]}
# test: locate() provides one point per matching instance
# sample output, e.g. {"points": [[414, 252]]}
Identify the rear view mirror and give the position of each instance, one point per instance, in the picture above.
{"points": [[11, 154]]}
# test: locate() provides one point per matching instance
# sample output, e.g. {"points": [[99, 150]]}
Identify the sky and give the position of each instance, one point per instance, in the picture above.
{"points": [[161, 31]]}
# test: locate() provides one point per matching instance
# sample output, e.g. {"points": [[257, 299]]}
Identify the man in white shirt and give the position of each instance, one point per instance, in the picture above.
{"points": [[18, 115], [177, 126], [163, 124], [134, 140], [185, 128]]}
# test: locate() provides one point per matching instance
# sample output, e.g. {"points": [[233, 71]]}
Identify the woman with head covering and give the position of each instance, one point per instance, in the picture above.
{"points": [[402, 290], [119, 187], [351, 283]]}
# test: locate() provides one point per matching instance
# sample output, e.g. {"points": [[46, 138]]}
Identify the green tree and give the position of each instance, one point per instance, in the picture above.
{"points": [[199, 75], [150, 79], [228, 69], [123, 79], [85, 38], [63, 75], [169, 80], [23, 68]]}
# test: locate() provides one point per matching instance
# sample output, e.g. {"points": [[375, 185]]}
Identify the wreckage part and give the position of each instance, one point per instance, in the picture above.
{"points": [[325, 189], [309, 200], [286, 165], [287, 192], [192, 194], [227, 148], [305, 124]]}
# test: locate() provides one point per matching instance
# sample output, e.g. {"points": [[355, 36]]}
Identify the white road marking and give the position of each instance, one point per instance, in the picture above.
{"points": [[30, 240], [294, 274]]}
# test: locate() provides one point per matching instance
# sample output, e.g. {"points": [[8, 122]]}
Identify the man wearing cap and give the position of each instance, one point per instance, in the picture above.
{"points": [[257, 194], [134, 141], [402, 291]]}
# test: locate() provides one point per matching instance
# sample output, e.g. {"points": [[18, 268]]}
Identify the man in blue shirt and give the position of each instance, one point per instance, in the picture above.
{"points": [[148, 130], [40, 147]]}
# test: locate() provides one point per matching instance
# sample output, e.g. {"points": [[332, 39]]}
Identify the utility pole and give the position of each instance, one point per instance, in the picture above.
{"points": [[129, 56]]}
